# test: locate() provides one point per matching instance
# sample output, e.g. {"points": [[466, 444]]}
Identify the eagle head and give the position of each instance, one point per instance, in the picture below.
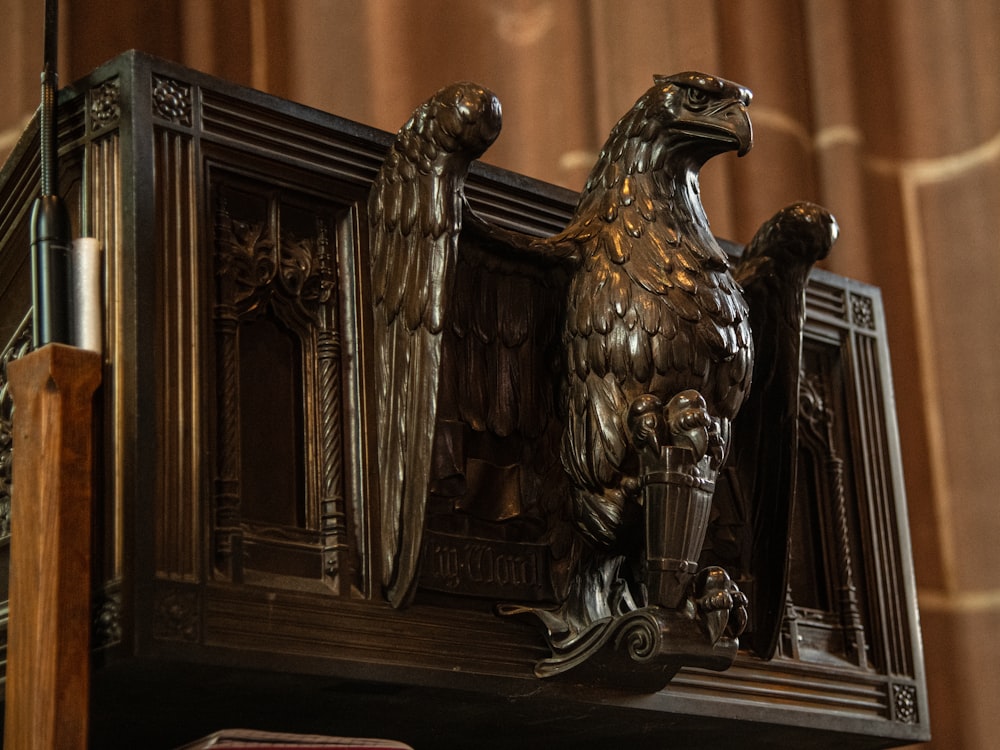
{"points": [[707, 111]]}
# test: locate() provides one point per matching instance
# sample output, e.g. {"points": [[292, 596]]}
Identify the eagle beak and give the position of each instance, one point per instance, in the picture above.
{"points": [[738, 123], [726, 126]]}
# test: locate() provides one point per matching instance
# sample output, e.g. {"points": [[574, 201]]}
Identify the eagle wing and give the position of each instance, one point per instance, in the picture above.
{"points": [[464, 316], [415, 217], [773, 272]]}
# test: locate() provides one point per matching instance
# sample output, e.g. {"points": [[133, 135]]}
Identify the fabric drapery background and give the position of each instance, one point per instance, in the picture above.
{"points": [[885, 111]]}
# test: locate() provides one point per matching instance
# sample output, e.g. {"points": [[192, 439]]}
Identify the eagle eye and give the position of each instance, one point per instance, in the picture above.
{"points": [[697, 99]]}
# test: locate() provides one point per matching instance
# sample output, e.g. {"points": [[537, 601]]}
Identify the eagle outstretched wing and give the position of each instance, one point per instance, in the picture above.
{"points": [[476, 358], [415, 216], [773, 271]]}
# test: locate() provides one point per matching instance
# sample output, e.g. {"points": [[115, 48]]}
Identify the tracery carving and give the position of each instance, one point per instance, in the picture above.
{"points": [[277, 283], [820, 446]]}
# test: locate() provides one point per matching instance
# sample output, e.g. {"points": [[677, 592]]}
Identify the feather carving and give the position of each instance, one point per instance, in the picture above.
{"points": [[415, 210], [632, 304]]}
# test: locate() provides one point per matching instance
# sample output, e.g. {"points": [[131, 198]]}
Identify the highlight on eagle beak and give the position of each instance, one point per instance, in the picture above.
{"points": [[743, 130]]}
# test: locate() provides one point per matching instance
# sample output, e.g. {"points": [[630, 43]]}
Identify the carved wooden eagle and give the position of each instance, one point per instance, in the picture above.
{"points": [[628, 330]]}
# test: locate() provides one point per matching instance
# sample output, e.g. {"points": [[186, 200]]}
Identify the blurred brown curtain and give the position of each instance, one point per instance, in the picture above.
{"points": [[886, 111]]}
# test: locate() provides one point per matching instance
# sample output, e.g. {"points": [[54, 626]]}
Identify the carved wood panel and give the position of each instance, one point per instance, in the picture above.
{"points": [[237, 498], [279, 505]]}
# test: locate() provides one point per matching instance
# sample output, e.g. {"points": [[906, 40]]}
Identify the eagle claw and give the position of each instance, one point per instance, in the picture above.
{"points": [[690, 423], [645, 422], [683, 422], [721, 603]]}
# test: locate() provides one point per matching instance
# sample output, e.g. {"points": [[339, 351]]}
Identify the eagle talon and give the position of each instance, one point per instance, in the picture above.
{"points": [[689, 422], [645, 423], [718, 441], [718, 599]]}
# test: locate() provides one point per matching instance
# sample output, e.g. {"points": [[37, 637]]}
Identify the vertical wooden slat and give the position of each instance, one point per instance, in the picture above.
{"points": [[48, 663]]}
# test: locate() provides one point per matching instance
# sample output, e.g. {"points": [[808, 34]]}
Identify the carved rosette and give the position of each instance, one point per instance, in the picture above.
{"points": [[105, 105], [862, 311], [172, 100], [904, 701], [176, 614], [107, 622]]}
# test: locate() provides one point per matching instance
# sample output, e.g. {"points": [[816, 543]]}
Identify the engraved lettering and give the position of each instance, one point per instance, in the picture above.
{"points": [[483, 567]]}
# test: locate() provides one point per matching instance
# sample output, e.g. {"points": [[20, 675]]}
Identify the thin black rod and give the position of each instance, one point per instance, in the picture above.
{"points": [[50, 227], [49, 156]]}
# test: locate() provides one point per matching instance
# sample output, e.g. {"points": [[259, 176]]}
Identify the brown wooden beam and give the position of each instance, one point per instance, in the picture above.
{"points": [[48, 663]]}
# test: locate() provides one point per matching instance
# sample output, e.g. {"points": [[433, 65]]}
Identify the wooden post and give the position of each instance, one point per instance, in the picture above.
{"points": [[48, 648]]}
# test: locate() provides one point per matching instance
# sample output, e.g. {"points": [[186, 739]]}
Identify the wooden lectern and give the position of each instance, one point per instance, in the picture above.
{"points": [[236, 566]]}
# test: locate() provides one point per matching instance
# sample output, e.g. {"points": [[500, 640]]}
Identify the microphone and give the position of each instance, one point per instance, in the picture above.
{"points": [[50, 227]]}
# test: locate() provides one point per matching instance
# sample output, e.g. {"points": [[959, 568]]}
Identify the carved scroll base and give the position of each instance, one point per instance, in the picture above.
{"points": [[638, 634], [641, 650]]}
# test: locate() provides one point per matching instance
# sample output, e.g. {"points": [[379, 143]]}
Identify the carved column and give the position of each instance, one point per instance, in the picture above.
{"points": [[246, 260], [333, 513], [817, 420]]}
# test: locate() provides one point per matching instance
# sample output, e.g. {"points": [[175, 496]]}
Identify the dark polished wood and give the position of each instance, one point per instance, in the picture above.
{"points": [[237, 563]]}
